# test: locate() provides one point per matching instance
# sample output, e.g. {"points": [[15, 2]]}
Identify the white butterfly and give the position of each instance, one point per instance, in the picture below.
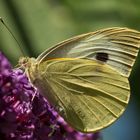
{"points": [[86, 77]]}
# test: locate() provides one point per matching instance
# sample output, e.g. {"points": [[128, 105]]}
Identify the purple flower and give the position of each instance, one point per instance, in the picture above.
{"points": [[25, 114]]}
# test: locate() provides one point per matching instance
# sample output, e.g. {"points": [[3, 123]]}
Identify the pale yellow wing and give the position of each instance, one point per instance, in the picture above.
{"points": [[116, 46], [89, 95], [86, 77]]}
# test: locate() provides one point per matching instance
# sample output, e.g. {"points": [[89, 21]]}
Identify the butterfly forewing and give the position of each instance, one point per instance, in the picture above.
{"points": [[89, 95], [118, 45]]}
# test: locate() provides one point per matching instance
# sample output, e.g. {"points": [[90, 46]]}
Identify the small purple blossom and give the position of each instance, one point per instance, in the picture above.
{"points": [[25, 114]]}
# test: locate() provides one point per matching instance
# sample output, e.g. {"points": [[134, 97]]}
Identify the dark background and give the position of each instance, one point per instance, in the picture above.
{"points": [[39, 24]]}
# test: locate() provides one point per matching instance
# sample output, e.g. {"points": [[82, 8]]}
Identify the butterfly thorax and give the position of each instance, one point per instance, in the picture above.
{"points": [[29, 65]]}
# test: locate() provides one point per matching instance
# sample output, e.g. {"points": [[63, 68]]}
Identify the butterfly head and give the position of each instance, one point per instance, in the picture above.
{"points": [[26, 62]]}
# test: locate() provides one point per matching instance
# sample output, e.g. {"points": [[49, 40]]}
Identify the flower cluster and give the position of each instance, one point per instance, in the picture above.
{"points": [[25, 114]]}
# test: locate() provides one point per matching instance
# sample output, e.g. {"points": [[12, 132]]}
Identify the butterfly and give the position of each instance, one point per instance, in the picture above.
{"points": [[86, 77]]}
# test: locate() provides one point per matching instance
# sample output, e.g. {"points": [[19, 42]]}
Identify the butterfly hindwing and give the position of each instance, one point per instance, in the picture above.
{"points": [[89, 95]]}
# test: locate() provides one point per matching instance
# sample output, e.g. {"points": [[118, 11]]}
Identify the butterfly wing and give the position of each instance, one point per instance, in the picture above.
{"points": [[117, 47], [86, 77], [87, 94]]}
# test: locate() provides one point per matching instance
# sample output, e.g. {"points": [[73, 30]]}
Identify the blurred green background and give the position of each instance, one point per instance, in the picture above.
{"points": [[39, 24]]}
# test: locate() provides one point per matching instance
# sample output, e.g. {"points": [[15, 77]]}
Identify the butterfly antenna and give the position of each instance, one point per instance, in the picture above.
{"points": [[2, 21], [17, 66]]}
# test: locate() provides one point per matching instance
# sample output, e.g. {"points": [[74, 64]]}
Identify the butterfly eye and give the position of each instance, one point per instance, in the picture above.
{"points": [[23, 61], [102, 56]]}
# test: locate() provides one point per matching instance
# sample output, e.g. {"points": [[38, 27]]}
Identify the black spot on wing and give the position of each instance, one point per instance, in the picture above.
{"points": [[102, 56]]}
